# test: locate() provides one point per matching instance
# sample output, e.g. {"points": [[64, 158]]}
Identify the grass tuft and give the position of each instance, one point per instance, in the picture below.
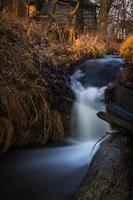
{"points": [[126, 49]]}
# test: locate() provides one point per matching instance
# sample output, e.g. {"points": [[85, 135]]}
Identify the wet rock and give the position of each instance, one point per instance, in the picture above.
{"points": [[110, 173]]}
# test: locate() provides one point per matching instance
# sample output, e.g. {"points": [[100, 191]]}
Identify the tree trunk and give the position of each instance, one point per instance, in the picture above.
{"points": [[53, 7], [80, 17], [15, 8], [7, 4], [1, 5], [22, 8], [105, 6]]}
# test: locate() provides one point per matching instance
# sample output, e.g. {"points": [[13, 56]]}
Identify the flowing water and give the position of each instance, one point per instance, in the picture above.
{"points": [[88, 102], [55, 172]]}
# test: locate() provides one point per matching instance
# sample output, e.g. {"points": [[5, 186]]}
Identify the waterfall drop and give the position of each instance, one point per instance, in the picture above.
{"points": [[86, 125]]}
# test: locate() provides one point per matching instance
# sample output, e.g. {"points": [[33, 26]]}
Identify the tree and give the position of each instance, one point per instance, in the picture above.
{"points": [[53, 7], [15, 8], [80, 17], [105, 6], [120, 17], [1, 5], [7, 4], [22, 8]]}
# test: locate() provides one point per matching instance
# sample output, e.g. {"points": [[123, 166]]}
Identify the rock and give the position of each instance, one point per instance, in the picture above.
{"points": [[110, 174]]}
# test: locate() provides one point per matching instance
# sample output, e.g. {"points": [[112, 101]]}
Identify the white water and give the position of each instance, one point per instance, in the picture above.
{"points": [[87, 126]]}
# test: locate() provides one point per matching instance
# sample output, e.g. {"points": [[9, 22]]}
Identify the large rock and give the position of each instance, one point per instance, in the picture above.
{"points": [[110, 174]]}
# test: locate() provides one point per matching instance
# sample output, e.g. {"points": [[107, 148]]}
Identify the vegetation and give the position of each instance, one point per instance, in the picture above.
{"points": [[126, 50], [25, 113]]}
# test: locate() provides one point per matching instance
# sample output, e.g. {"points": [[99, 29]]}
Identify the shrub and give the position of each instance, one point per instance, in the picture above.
{"points": [[89, 45], [126, 49]]}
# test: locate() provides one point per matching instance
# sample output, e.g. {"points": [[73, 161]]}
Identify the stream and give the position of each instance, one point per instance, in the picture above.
{"points": [[55, 172]]}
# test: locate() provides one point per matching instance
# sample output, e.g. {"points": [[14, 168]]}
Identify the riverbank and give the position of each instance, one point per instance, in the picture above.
{"points": [[36, 99]]}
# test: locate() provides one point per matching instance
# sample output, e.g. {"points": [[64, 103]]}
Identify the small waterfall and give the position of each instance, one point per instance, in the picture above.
{"points": [[86, 125]]}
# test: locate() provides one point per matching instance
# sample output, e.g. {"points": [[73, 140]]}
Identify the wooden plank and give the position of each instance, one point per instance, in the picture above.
{"points": [[120, 112], [124, 97], [116, 121]]}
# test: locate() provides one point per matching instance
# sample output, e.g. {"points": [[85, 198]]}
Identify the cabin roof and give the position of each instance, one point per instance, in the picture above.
{"points": [[90, 3], [85, 2]]}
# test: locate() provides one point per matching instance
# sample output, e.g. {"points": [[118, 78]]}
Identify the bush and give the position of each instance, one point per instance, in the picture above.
{"points": [[89, 45], [126, 49]]}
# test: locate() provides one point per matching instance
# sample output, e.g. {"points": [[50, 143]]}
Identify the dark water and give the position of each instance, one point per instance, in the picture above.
{"points": [[54, 173], [44, 174], [99, 72]]}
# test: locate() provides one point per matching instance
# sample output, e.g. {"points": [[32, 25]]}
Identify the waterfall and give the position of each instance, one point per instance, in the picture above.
{"points": [[86, 124]]}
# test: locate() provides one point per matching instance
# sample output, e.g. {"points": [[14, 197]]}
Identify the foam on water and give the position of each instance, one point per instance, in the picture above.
{"points": [[87, 126]]}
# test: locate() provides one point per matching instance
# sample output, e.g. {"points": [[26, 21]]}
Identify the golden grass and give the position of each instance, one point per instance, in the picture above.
{"points": [[89, 45], [126, 49]]}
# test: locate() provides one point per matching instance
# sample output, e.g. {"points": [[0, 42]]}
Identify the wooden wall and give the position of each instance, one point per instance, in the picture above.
{"points": [[63, 12], [89, 16], [18, 8]]}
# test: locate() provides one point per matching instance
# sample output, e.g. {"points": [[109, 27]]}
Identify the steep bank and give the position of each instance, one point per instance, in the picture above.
{"points": [[35, 98]]}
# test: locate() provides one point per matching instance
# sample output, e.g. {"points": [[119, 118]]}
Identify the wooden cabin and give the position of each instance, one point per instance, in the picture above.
{"points": [[65, 12], [90, 16], [15, 7]]}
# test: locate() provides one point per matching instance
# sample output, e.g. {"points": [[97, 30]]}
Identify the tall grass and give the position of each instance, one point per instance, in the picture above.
{"points": [[126, 49], [25, 113], [90, 45]]}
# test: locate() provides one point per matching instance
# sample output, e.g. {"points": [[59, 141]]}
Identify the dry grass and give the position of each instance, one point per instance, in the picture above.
{"points": [[25, 113], [126, 49], [64, 49], [90, 45]]}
